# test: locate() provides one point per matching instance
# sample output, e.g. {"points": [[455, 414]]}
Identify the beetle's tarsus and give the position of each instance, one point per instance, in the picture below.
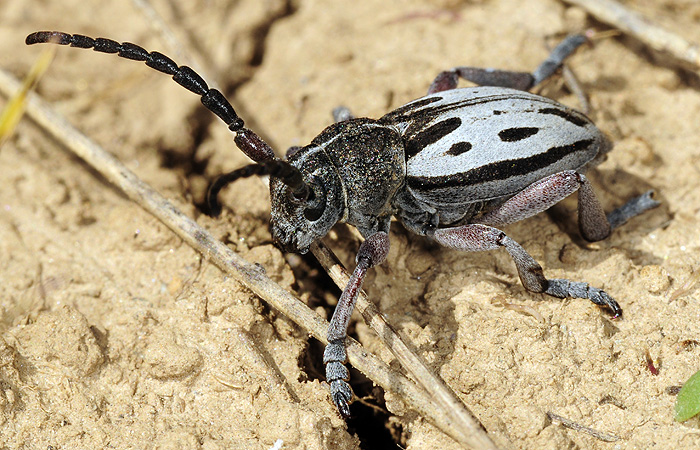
{"points": [[522, 81], [337, 375], [632, 208], [342, 113], [563, 288], [341, 394], [556, 58]]}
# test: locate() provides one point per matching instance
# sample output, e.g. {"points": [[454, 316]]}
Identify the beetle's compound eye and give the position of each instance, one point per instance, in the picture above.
{"points": [[316, 203], [313, 214]]}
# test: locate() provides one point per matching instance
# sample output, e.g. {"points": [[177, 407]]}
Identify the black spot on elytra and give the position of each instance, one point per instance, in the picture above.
{"points": [[517, 133], [497, 112], [431, 135], [569, 116], [459, 148]]}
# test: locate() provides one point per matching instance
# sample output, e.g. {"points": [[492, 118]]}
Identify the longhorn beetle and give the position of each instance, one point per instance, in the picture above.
{"points": [[452, 166]]}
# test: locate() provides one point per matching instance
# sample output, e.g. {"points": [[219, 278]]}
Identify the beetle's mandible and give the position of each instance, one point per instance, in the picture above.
{"points": [[453, 165]]}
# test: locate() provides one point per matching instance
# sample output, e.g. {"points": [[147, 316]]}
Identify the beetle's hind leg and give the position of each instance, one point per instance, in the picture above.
{"points": [[594, 224], [478, 237], [537, 197], [632, 208], [523, 81]]}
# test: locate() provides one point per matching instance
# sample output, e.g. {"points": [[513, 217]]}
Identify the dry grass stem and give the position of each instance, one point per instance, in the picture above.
{"points": [[632, 23], [568, 423]]}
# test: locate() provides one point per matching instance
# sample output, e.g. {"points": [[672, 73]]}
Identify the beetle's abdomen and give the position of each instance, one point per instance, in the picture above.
{"points": [[476, 144]]}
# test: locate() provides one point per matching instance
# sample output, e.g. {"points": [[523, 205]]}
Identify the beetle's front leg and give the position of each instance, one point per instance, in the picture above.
{"points": [[373, 251], [504, 78], [478, 237]]}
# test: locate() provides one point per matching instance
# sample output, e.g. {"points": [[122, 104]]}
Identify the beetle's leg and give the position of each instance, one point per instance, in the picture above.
{"points": [[632, 208], [483, 77], [342, 113], [541, 195], [516, 80], [545, 193], [478, 237], [593, 225], [291, 151], [557, 57], [538, 197], [373, 251]]}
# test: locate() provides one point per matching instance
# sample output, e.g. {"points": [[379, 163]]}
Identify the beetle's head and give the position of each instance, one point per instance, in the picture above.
{"points": [[296, 222], [306, 196]]}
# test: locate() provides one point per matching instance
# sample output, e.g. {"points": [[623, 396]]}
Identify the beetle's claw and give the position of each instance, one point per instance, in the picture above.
{"points": [[342, 394], [600, 297]]}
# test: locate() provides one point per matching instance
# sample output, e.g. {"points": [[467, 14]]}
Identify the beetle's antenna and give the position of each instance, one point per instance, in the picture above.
{"points": [[282, 170], [254, 147]]}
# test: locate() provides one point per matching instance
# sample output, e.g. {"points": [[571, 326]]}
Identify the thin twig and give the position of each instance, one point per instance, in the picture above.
{"points": [[687, 287], [568, 423], [523, 309], [574, 85], [272, 375], [636, 25], [447, 402], [470, 435]]}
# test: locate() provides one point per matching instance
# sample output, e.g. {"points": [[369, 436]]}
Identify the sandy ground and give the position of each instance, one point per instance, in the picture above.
{"points": [[114, 334]]}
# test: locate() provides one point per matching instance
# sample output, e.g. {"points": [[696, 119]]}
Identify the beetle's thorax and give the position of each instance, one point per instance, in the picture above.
{"points": [[369, 158], [354, 168]]}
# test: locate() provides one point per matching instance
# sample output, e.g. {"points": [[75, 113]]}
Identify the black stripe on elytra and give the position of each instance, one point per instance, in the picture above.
{"points": [[517, 134], [566, 115], [459, 148], [430, 135], [410, 107], [408, 113], [500, 170]]}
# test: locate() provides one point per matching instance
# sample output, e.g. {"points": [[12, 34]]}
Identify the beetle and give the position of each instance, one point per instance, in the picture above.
{"points": [[453, 166]]}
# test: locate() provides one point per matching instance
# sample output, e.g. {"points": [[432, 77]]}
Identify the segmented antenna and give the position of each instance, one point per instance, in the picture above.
{"points": [[282, 170], [250, 143]]}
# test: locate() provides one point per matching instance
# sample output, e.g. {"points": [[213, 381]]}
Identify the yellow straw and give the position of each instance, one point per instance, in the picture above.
{"points": [[14, 109]]}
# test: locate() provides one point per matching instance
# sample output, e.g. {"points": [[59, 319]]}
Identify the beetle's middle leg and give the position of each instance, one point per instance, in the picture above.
{"points": [[478, 237], [523, 81]]}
